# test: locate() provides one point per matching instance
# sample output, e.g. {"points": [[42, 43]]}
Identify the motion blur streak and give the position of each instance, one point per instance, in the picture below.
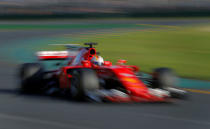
{"points": [[74, 126], [179, 42], [34, 111], [191, 121], [43, 122]]}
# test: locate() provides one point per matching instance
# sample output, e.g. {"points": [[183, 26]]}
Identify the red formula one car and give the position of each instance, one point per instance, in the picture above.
{"points": [[83, 75]]}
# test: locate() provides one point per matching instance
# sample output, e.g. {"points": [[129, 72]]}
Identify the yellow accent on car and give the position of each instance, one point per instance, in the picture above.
{"points": [[132, 80]]}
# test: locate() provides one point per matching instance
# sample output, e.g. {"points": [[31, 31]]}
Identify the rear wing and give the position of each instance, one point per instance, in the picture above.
{"points": [[52, 55], [72, 51]]}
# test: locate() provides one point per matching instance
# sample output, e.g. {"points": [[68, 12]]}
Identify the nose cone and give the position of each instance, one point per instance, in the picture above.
{"points": [[133, 85]]}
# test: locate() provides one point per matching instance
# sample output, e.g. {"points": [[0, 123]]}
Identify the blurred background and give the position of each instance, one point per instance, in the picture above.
{"points": [[101, 8], [146, 33]]}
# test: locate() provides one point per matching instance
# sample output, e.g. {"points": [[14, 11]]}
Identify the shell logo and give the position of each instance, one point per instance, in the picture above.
{"points": [[132, 80]]}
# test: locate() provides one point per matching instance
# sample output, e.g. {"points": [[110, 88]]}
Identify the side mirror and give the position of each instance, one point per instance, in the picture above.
{"points": [[134, 68], [107, 63], [121, 62]]}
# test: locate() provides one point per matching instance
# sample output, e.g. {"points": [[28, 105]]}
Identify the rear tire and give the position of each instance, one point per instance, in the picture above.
{"points": [[83, 81], [31, 75]]}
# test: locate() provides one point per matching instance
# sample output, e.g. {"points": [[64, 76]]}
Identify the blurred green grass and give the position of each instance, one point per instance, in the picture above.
{"points": [[185, 49], [67, 26]]}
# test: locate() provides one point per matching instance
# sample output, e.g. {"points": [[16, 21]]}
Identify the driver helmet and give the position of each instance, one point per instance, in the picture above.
{"points": [[97, 60]]}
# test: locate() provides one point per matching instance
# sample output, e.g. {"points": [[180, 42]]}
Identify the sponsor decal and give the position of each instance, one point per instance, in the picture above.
{"points": [[132, 80]]}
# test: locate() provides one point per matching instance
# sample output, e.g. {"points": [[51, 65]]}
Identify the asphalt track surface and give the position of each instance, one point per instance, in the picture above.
{"points": [[19, 111]]}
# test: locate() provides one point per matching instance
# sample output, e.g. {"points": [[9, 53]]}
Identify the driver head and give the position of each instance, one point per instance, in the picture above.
{"points": [[97, 60]]}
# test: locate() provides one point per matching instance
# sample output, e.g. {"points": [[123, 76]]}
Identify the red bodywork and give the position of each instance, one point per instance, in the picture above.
{"points": [[124, 74]]}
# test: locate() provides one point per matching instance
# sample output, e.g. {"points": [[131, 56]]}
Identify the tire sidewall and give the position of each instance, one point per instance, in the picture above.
{"points": [[87, 81]]}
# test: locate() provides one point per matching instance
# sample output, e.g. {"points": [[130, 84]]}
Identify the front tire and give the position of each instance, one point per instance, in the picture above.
{"points": [[163, 78], [83, 81]]}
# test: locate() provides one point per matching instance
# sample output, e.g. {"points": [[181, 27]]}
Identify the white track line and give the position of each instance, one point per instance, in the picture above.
{"points": [[44, 122]]}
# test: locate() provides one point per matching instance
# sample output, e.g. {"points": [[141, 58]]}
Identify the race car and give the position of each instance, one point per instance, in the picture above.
{"points": [[82, 74]]}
